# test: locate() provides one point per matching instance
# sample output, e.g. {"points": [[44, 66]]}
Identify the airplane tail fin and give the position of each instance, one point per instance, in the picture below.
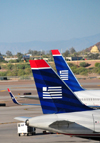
{"points": [[15, 100], [13, 97], [55, 96], [65, 72]]}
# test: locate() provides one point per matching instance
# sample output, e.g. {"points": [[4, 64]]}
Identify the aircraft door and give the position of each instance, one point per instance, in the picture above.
{"points": [[96, 122]]}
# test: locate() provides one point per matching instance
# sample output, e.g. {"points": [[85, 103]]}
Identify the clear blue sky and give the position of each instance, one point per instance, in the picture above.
{"points": [[48, 20]]}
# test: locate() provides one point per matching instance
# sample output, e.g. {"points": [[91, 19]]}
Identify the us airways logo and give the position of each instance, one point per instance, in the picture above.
{"points": [[64, 74], [52, 92]]}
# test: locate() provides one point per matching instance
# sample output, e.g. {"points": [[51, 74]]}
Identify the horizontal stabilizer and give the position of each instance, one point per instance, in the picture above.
{"points": [[30, 97], [22, 118]]}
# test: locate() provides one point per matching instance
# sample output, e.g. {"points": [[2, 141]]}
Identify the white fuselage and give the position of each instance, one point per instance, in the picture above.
{"points": [[89, 97], [83, 124]]}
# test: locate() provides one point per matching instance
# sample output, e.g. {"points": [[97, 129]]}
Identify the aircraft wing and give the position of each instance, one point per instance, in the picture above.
{"points": [[22, 118], [15, 100], [30, 97]]}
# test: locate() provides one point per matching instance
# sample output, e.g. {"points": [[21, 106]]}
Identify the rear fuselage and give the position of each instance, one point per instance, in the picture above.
{"points": [[82, 124]]}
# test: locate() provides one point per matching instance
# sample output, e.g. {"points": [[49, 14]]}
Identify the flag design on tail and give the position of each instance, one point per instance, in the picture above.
{"points": [[52, 92], [55, 96], [65, 72]]}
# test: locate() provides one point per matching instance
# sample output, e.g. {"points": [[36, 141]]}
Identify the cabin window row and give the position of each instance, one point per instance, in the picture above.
{"points": [[89, 99]]}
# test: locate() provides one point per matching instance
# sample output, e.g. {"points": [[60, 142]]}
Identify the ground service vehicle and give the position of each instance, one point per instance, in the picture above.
{"points": [[23, 129]]}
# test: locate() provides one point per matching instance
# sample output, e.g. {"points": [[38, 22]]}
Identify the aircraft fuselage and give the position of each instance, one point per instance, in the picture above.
{"points": [[89, 97], [82, 124]]}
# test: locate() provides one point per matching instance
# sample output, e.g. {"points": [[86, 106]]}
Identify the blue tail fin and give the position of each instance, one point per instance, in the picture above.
{"points": [[55, 96], [13, 97], [15, 100], [65, 72]]}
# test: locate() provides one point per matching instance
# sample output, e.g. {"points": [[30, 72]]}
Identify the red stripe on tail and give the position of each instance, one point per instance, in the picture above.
{"points": [[38, 64], [8, 89], [55, 52]]}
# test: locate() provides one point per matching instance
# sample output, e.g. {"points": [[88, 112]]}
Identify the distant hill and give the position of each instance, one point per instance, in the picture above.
{"points": [[77, 43], [97, 44]]}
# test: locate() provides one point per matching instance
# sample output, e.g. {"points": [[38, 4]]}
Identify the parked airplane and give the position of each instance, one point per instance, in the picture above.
{"points": [[15, 100], [89, 97], [67, 114]]}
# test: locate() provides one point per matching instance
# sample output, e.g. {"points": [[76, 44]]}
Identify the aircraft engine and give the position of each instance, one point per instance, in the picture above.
{"points": [[27, 122]]}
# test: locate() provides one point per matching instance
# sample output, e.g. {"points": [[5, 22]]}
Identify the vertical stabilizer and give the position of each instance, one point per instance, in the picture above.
{"points": [[55, 96], [65, 72]]}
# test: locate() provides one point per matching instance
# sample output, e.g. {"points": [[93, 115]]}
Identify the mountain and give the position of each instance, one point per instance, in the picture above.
{"points": [[97, 44], [78, 43]]}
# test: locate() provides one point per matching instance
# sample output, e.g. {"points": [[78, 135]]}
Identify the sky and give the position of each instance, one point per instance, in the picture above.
{"points": [[48, 20]]}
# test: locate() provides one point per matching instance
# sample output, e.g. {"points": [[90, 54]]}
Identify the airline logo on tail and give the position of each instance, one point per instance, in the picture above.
{"points": [[64, 74], [52, 92]]}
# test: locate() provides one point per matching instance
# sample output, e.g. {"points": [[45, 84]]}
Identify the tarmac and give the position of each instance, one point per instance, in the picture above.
{"points": [[8, 125]]}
